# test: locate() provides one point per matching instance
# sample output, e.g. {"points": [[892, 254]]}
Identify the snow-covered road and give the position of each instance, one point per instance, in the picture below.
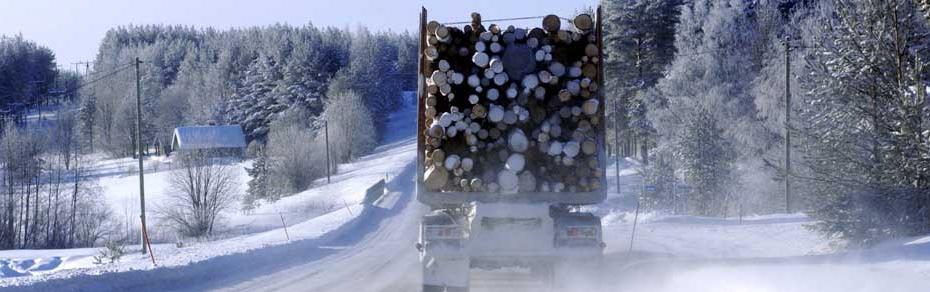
{"points": [[382, 258], [378, 256]]}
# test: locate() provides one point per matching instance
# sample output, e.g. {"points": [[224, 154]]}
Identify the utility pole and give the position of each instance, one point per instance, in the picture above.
{"points": [[642, 193], [787, 126], [86, 64], [617, 142], [139, 143], [921, 98], [328, 163]]}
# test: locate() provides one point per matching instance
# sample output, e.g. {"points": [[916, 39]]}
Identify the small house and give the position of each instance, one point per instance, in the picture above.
{"points": [[223, 141]]}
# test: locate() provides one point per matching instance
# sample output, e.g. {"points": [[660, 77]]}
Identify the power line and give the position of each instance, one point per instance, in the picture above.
{"points": [[75, 89], [704, 52], [709, 51], [98, 79]]}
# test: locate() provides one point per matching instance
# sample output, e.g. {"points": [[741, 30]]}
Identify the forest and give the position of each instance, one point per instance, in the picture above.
{"points": [[46, 201], [698, 92], [702, 99]]}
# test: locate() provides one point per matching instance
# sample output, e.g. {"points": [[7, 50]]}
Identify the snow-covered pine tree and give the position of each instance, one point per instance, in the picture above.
{"points": [[406, 65], [762, 146], [86, 120], [372, 74], [698, 107], [304, 86], [253, 105], [925, 7], [707, 164], [258, 185], [638, 46], [863, 125], [661, 174]]}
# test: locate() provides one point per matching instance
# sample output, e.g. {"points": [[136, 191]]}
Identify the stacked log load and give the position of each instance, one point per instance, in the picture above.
{"points": [[512, 110]]}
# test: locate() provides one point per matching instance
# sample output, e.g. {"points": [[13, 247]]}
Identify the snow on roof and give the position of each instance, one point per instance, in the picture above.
{"points": [[209, 137]]}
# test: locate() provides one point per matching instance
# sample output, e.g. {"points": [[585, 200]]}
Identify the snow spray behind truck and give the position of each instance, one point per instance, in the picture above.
{"points": [[510, 145]]}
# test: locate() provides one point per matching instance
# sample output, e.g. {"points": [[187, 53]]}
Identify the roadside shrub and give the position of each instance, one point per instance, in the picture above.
{"points": [[112, 252], [201, 189]]}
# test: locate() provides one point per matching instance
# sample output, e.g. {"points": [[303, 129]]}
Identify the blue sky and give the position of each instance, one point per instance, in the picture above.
{"points": [[73, 29]]}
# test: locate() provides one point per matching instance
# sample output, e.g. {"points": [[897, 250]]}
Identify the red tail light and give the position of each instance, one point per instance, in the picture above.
{"points": [[572, 232], [581, 232]]}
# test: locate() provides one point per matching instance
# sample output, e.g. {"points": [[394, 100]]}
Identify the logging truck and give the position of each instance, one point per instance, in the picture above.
{"points": [[510, 146]]}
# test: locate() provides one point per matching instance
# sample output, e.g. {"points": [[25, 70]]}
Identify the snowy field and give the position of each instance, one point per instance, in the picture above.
{"points": [[332, 249], [308, 215]]}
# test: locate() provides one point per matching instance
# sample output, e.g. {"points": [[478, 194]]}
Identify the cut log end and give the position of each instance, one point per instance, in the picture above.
{"points": [[583, 22], [485, 86], [432, 25], [551, 23]]}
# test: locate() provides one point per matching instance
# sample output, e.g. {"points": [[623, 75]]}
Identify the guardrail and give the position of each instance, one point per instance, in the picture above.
{"points": [[374, 192]]}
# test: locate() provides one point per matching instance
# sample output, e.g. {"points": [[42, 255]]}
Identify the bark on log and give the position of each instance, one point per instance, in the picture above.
{"points": [[476, 21], [435, 178], [589, 70], [564, 36]]}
